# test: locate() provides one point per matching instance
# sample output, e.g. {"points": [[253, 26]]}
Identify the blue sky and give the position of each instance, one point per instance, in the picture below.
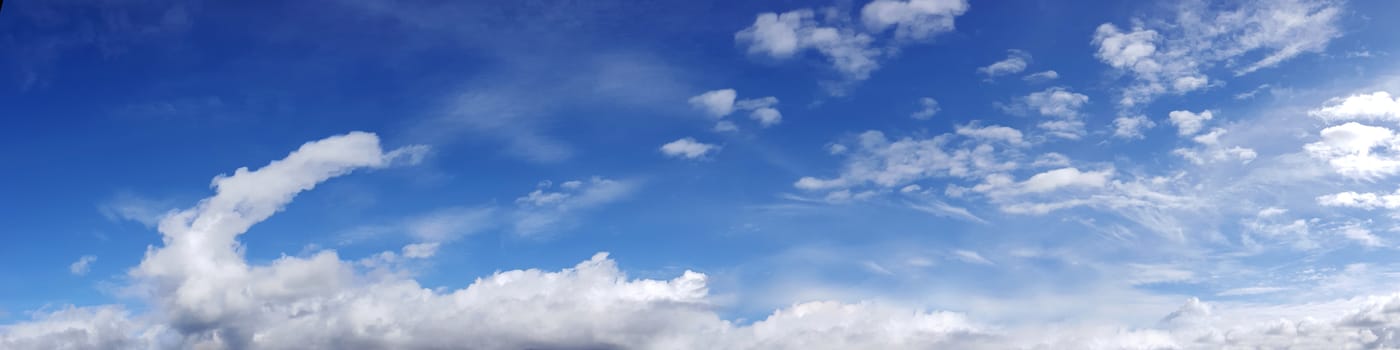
{"points": [[773, 174]]}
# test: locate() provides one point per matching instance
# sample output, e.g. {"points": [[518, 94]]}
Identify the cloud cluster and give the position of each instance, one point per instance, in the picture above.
{"points": [[721, 103], [204, 294], [1131, 127], [853, 51], [1208, 147], [1175, 56], [1059, 103]]}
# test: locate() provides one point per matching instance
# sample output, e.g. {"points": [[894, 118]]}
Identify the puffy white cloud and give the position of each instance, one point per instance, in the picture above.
{"points": [[1210, 148], [1131, 127], [103, 327], [927, 108], [912, 19], [766, 117], [1358, 151], [716, 103], [1065, 177], [720, 103], [1173, 56], [1058, 102], [1015, 62], [687, 148], [1188, 123], [991, 133], [877, 160], [851, 51], [421, 250], [1040, 77], [1375, 106], [82, 266], [781, 36], [1364, 200]]}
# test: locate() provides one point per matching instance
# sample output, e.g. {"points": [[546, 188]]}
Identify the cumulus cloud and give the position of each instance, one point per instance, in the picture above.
{"points": [[1062, 104], [1376, 106], [716, 103], [1015, 62], [82, 266], [1131, 127], [781, 36], [1057, 101], [1003, 186], [1175, 56], [1364, 200], [205, 294], [687, 148], [991, 133], [720, 103], [1358, 151], [853, 51], [927, 108], [876, 160], [912, 19], [1188, 123]]}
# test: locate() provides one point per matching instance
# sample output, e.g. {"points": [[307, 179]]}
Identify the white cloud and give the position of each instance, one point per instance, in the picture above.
{"points": [[912, 19], [541, 211], [420, 250], [1358, 151], [1057, 102], [1376, 106], [1361, 235], [687, 148], [783, 36], [1365, 201], [1040, 77], [851, 51], [1051, 159], [928, 108], [991, 133], [878, 161], [1210, 148], [716, 103], [971, 257], [1250, 291], [1015, 62], [1188, 123], [82, 266], [720, 103], [1131, 127], [766, 117], [1060, 103], [205, 294], [1174, 56], [1065, 177]]}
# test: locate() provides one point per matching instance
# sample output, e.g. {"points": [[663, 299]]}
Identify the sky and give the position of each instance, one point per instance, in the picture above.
{"points": [[892, 174]]}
